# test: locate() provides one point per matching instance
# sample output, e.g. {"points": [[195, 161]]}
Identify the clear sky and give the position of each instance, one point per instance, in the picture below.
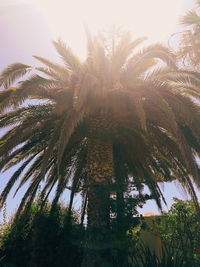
{"points": [[27, 28]]}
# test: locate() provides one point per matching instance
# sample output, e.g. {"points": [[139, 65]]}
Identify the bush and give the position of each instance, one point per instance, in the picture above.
{"points": [[42, 238], [144, 257], [180, 229]]}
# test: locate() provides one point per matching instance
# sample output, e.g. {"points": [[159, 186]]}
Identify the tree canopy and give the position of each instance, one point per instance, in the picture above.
{"points": [[124, 114], [144, 105]]}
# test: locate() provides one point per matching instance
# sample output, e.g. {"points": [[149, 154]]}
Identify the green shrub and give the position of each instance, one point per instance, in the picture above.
{"points": [[180, 229], [144, 257], [42, 238]]}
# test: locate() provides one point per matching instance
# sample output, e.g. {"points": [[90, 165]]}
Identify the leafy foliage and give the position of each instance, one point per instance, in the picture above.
{"points": [[190, 38], [179, 229], [42, 238], [145, 257], [45, 236], [125, 222]]}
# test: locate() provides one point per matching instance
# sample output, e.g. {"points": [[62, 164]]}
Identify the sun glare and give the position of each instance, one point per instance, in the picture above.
{"points": [[156, 19]]}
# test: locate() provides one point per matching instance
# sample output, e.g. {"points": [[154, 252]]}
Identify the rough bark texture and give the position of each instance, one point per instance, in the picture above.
{"points": [[100, 175], [99, 164]]}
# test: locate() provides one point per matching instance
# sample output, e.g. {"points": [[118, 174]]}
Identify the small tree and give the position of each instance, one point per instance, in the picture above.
{"points": [[180, 228]]}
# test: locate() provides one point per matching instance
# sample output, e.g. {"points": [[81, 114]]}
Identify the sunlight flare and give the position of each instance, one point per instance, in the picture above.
{"points": [[155, 18]]}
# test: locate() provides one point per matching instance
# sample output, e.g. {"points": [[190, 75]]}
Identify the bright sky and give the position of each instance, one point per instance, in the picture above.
{"points": [[28, 26], [156, 19]]}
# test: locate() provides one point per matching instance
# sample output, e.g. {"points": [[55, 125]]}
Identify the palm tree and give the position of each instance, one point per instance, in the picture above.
{"points": [[121, 113], [189, 45]]}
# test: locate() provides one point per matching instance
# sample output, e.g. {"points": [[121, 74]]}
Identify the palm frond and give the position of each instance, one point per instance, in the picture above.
{"points": [[157, 73], [54, 70], [98, 62], [12, 73], [28, 112], [5, 94], [136, 96], [32, 87], [31, 172], [61, 185], [28, 197], [141, 100], [69, 125], [50, 184], [71, 61], [190, 19], [80, 165], [84, 206], [52, 144], [15, 138], [154, 51], [13, 180], [61, 78], [122, 51]]}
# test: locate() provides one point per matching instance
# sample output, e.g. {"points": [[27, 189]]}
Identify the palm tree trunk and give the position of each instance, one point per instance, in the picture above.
{"points": [[99, 163]]}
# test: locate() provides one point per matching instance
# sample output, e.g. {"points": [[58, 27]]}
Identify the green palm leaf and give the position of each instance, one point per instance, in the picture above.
{"points": [[12, 73]]}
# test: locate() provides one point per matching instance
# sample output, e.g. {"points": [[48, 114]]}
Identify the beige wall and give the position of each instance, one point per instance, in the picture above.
{"points": [[153, 241]]}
